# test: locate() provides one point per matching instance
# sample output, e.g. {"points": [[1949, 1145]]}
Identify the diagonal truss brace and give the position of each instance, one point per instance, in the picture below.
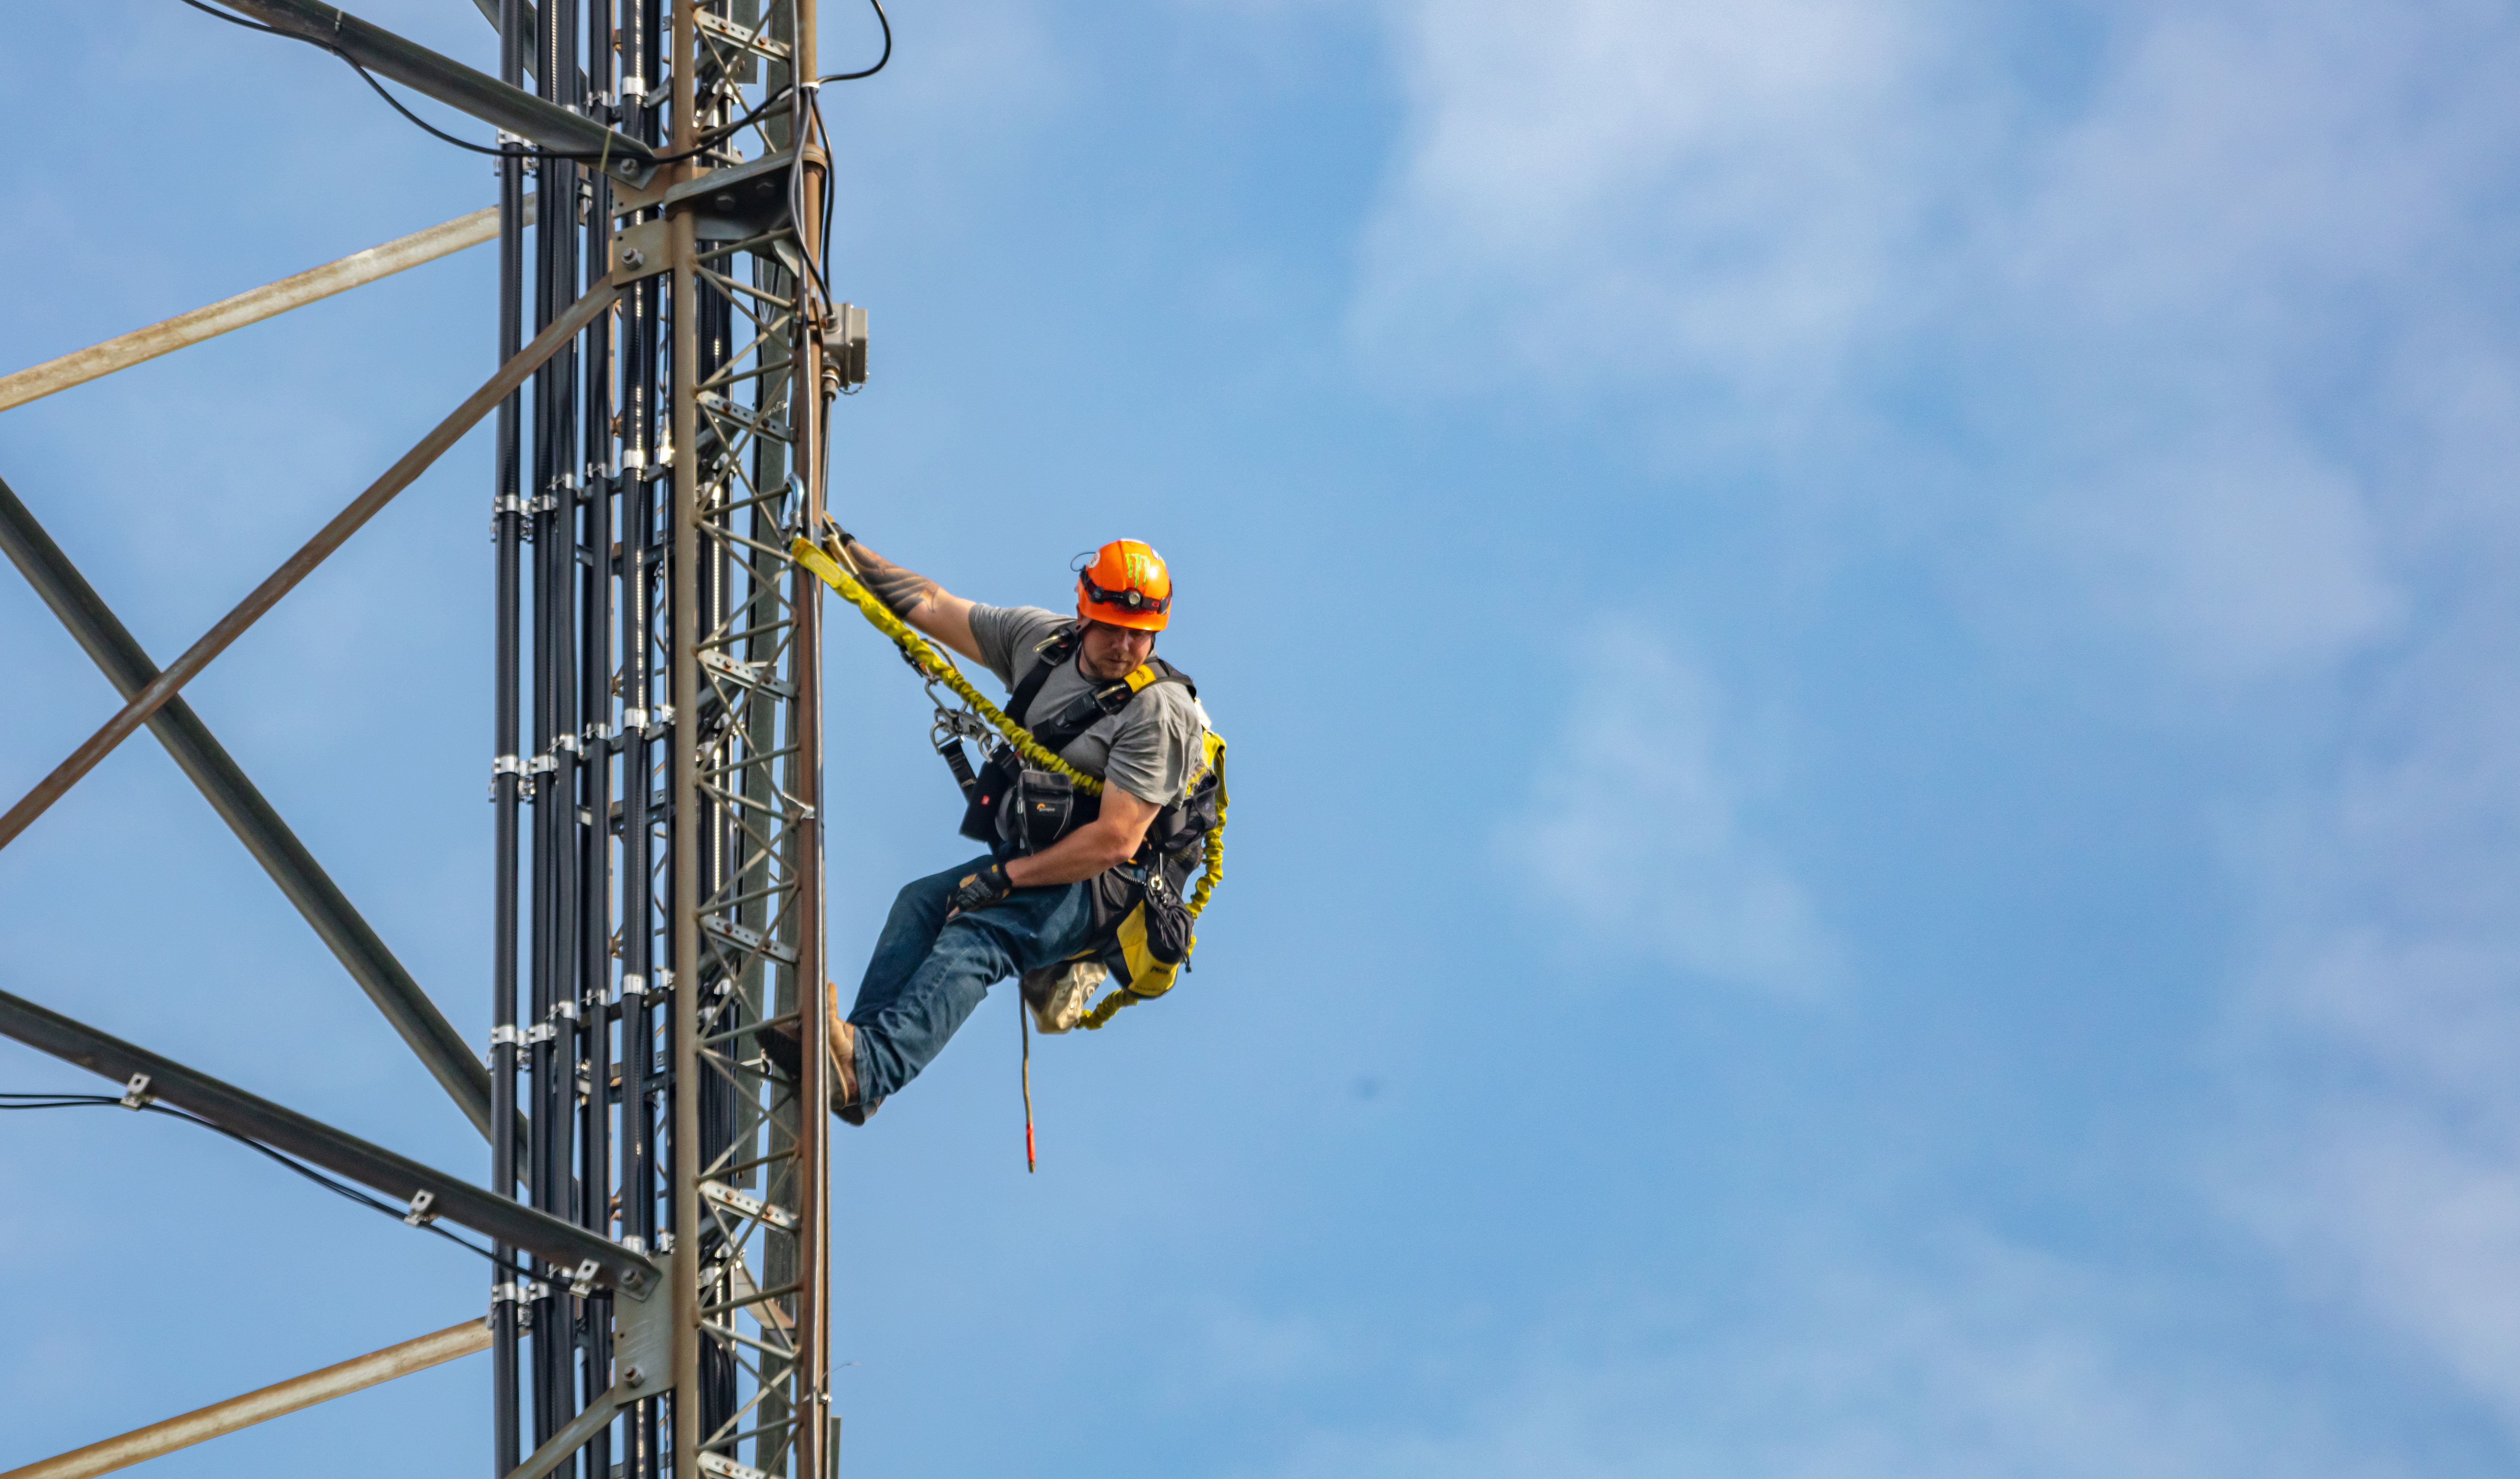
{"points": [[310, 1140], [458, 86], [240, 804], [562, 331], [278, 1399], [251, 306]]}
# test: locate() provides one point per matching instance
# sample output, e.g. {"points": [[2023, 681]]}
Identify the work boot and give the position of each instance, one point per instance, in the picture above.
{"points": [[844, 1062], [1056, 994], [779, 1044]]}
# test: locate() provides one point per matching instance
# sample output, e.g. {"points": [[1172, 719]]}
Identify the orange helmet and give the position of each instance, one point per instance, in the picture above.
{"points": [[1125, 585]]}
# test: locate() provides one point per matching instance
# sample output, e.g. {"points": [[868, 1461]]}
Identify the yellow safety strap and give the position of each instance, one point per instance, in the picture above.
{"points": [[931, 662], [939, 667]]}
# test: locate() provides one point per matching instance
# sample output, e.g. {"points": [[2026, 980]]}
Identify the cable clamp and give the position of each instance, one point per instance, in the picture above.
{"points": [[519, 1291], [540, 1032], [136, 1094], [542, 764], [633, 719], [420, 1215], [598, 732], [565, 741], [666, 982], [565, 1007], [634, 986], [544, 504], [506, 1033]]}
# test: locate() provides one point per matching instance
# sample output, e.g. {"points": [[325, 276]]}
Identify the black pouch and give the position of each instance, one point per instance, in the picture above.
{"points": [[1168, 919], [989, 791], [1037, 810]]}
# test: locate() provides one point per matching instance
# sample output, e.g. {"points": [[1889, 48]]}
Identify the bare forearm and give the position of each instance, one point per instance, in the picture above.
{"points": [[917, 600], [901, 591], [1095, 847]]}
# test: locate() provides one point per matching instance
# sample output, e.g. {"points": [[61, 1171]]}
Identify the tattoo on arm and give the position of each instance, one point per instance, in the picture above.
{"points": [[901, 591]]}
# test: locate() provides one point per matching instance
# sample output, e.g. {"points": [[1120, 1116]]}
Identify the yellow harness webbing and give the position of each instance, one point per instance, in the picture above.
{"points": [[935, 666]]}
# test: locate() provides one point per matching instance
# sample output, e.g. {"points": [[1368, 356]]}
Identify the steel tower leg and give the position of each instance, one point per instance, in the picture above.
{"points": [[665, 897]]}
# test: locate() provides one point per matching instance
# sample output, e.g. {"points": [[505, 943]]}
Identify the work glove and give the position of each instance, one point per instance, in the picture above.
{"points": [[980, 891]]}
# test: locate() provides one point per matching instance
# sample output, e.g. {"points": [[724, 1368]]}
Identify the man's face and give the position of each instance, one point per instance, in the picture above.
{"points": [[1113, 652]]}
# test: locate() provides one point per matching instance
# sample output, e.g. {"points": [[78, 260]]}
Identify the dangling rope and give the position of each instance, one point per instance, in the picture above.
{"points": [[1023, 1020]]}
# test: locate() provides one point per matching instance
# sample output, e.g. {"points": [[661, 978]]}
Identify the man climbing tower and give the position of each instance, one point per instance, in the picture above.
{"points": [[1065, 868]]}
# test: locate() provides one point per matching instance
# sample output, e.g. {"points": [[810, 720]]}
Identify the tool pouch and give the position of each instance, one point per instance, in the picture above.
{"points": [[1037, 810], [986, 794], [1167, 920]]}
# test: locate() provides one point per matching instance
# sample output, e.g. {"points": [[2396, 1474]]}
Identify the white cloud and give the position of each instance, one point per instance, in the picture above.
{"points": [[1992, 1362], [1635, 831], [2372, 1052], [1600, 188], [2154, 313], [2192, 342]]}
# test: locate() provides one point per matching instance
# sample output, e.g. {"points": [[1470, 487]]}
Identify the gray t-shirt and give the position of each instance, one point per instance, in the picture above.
{"points": [[1150, 750]]}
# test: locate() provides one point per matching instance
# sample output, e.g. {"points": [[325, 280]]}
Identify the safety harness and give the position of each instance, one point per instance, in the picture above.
{"points": [[1026, 795]]}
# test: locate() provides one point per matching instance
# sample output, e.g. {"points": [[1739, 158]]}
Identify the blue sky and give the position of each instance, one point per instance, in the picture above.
{"points": [[1867, 648]]}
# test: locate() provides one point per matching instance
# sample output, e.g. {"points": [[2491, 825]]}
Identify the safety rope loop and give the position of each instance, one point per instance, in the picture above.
{"points": [[1212, 869]]}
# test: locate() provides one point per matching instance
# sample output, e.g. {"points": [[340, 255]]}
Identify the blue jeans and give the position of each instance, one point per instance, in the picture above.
{"points": [[927, 975]]}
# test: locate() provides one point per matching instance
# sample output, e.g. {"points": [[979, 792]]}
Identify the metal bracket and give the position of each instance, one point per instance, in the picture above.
{"points": [[642, 1340], [754, 41], [724, 1195], [727, 1468], [136, 1094], [420, 1215], [642, 250], [581, 1281], [846, 340]]}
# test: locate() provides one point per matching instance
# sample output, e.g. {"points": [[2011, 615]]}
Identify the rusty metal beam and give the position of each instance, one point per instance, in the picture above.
{"points": [[275, 1401], [331, 537], [242, 806], [252, 306], [563, 1444], [458, 86], [563, 1245]]}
